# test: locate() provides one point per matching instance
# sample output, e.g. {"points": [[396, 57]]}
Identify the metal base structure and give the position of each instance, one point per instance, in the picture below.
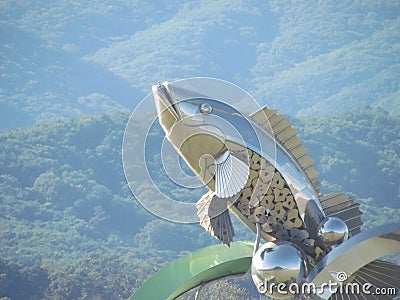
{"points": [[219, 261], [354, 259], [195, 269]]}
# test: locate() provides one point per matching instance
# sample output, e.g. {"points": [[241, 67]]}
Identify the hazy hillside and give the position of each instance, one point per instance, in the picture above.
{"points": [[39, 82], [331, 56], [70, 228], [307, 57], [72, 71]]}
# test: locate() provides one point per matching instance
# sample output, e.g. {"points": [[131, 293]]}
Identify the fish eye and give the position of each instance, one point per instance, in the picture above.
{"points": [[206, 109]]}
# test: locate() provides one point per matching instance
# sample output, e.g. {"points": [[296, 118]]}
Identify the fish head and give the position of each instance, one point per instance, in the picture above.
{"points": [[201, 129]]}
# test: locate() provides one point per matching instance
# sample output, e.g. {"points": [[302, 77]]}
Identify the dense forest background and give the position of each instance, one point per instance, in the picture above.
{"points": [[71, 72]]}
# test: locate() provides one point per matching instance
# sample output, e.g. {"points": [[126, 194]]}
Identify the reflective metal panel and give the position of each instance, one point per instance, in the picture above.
{"points": [[277, 263]]}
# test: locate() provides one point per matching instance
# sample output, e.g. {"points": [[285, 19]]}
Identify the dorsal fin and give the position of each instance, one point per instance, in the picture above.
{"points": [[286, 135]]}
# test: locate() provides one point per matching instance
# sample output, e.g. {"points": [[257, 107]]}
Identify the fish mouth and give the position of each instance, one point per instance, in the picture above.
{"points": [[165, 100]]}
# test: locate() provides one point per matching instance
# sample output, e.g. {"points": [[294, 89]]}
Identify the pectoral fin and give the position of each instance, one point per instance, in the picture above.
{"points": [[230, 176]]}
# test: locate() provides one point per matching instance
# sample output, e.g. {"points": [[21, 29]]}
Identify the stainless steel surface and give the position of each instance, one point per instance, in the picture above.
{"points": [[277, 263], [209, 126], [332, 231], [231, 175], [206, 109], [200, 120], [355, 253], [234, 126]]}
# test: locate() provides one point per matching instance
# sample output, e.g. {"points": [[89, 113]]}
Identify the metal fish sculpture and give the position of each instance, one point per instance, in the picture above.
{"points": [[256, 168], [235, 157]]}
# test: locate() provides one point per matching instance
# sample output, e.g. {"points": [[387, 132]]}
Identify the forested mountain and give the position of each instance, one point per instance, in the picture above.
{"points": [[71, 71], [70, 228], [62, 59]]}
